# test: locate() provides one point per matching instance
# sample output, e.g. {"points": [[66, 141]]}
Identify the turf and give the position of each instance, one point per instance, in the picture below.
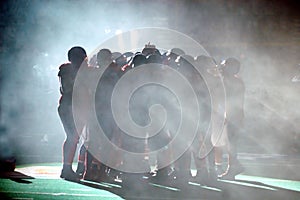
{"points": [[50, 189], [41, 181]]}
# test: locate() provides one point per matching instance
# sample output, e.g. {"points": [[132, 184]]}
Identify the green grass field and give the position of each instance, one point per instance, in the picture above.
{"points": [[41, 181]]}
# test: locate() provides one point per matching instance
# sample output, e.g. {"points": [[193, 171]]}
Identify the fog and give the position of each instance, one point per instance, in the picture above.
{"points": [[36, 35]]}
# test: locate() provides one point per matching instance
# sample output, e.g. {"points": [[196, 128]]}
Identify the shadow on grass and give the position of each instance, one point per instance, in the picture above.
{"points": [[134, 188], [16, 176]]}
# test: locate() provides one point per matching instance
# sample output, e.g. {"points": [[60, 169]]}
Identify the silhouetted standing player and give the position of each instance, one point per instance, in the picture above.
{"points": [[67, 74], [235, 90]]}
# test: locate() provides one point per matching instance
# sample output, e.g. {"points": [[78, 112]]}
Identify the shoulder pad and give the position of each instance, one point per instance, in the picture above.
{"points": [[64, 68]]}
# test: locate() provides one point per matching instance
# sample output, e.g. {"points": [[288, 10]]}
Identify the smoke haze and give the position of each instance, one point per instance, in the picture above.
{"points": [[36, 35]]}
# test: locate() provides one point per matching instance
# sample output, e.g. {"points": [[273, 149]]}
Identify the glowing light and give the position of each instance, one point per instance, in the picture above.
{"points": [[107, 30], [118, 31], [296, 79]]}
